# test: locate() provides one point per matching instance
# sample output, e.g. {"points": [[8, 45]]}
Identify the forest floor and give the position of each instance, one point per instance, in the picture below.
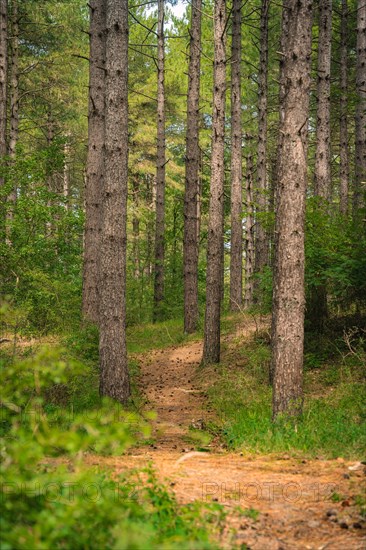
{"points": [[273, 501]]}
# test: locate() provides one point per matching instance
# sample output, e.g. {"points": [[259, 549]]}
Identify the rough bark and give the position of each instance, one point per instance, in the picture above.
{"points": [[288, 293], [211, 348], [249, 235], [360, 119], [261, 237], [236, 248], [160, 173], [114, 380], [322, 175], [192, 191], [281, 96], [14, 108], [343, 129], [14, 80], [95, 161], [3, 78]]}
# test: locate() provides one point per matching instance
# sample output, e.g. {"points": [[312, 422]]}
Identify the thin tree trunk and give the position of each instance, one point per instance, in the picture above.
{"points": [[114, 380], [95, 161], [249, 236], [360, 119], [66, 176], [3, 82], [50, 225], [191, 196], [343, 131], [160, 174], [288, 292], [322, 187], [261, 237], [236, 248], [211, 348], [14, 108], [150, 204], [136, 227]]}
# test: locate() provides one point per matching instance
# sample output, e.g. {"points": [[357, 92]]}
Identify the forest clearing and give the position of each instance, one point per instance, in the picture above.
{"points": [[183, 274]]}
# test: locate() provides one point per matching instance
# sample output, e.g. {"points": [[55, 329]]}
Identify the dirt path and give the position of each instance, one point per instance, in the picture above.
{"points": [[292, 496]]}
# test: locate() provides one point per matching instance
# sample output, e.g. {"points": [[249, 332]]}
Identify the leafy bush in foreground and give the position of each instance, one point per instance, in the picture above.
{"points": [[50, 499]]}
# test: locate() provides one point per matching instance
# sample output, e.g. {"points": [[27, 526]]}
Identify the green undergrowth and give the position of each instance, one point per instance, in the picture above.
{"points": [[334, 418], [51, 499], [150, 336]]}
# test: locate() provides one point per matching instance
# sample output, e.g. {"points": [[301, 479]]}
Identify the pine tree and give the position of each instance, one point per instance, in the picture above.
{"points": [[192, 190], [160, 173], [322, 175], [211, 348], [114, 380], [261, 237], [95, 161], [236, 247], [360, 118], [289, 291], [3, 77], [343, 127]]}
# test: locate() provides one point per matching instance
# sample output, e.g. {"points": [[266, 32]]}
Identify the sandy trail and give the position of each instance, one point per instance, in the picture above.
{"points": [[292, 496]]}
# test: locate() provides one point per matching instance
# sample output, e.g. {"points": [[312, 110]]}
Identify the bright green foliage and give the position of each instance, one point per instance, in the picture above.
{"points": [[335, 257], [333, 422], [50, 503], [41, 268]]}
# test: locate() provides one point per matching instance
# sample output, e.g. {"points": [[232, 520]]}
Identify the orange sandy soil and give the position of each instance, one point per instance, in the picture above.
{"points": [[292, 495]]}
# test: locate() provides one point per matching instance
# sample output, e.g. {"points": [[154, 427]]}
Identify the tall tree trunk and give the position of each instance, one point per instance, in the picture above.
{"points": [[160, 174], [192, 191], [360, 145], [211, 348], [288, 292], [136, 226], [249, 235], [236, 248], [261, 240], [114, 381], [343, 130], [281, 97], [95, 161], [14, 107], [317, 309], [322, 174], [3, 82]]}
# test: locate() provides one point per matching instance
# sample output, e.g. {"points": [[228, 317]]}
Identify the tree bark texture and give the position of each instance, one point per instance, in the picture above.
{"points": [[95, 161], [261, 240], [360, 119], [343, 129], [236, 248], [114, 380], [249, 235], [3, 78], [192, 184], [14, 108], [211, 347], [288, 292], [322, 187], [160, 173]]}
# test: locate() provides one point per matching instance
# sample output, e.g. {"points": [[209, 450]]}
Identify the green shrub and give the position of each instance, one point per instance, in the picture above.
{"points": [[51, 499]]}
